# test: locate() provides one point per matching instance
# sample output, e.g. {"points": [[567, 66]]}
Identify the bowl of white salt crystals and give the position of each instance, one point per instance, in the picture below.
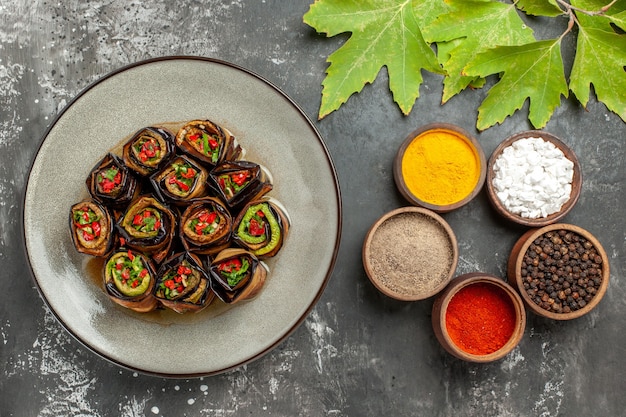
{"points": [[533, 178]]}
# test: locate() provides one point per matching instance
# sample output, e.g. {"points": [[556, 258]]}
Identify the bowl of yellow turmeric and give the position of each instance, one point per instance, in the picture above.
{"points": [[440, 166]]}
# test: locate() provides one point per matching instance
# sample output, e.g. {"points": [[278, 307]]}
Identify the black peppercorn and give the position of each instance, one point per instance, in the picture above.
{"points": [[561, 271]]}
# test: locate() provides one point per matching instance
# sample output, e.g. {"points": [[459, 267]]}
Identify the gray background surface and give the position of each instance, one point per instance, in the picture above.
{"points": [[358, 353]]}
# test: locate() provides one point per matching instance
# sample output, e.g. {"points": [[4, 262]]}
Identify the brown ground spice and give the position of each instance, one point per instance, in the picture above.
{"points": [[411, 254]]}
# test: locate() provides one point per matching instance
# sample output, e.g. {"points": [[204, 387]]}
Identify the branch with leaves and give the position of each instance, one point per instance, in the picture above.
{"points": [[469, 40]]}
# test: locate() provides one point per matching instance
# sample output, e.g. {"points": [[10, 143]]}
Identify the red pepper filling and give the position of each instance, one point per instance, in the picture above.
{"points": [[234, 270], [176, 281], [257, 224], [208, 145], [127, 270], [147, 220], [88, 222], [232, 183], [230, 265], [109, 179], [148, 149], [205, 222], [182, 177]]}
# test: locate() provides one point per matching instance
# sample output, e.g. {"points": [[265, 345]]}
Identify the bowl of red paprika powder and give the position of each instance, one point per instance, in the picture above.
{"points": [[478, 317], [439, 166]]}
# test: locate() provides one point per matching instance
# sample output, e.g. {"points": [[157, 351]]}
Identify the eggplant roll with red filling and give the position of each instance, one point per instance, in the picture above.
{"points": [[149, 150], [180, 181], [206, 226], [148, 226], [261, 227], [92, 230], [112, 183], [238, 182], [183, 285], [208, 142], [129, 280], [237, 275]]}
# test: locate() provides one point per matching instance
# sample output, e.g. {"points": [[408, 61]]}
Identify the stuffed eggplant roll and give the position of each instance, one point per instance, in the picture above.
{"points": [[148, 226], [180, 181], [129, 280], [92, 230], [149, 150], [112, 183], [183, 284], [206, 226], [238, 182], [261, 227], [237, 275], [207, 142]]}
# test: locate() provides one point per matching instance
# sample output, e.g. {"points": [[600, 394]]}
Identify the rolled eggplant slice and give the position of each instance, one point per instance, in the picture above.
{"points": [[129, 280], [238, 182], [91, 226], [237, 275], [180, 181], [208, 142], [206, 226], [112, 183], [149, 150], [261, 227], [183, 285], [148, 226]]}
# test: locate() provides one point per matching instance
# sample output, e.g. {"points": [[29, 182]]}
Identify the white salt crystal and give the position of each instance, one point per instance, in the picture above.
{"points": [[533, 178]]}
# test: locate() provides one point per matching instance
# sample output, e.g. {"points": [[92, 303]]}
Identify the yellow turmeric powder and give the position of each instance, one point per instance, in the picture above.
{"points": [[440, 167]]}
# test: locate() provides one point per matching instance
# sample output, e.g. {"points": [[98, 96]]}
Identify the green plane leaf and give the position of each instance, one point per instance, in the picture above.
{"points": [[615, 14], [619, 19], [383, 33], [475, 39], [600, 61], [532, 71], [540, 7], [475, 26]]}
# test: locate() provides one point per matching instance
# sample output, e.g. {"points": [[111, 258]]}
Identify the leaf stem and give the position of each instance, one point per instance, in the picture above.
{"points": [[608, 6], [569, 8]]}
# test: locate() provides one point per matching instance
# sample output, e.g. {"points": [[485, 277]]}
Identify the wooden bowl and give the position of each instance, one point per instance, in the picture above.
{"points": [[515, 265], [541, 221], [410, 253], [435, 128], [442, 302]]}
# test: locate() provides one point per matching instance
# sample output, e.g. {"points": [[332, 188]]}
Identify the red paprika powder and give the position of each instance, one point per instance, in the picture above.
{"points": [[480, 318]]}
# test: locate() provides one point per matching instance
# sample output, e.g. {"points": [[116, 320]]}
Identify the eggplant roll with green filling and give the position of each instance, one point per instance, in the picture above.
{"points": [[208, 142], [92, 229], [238, 182], [148, 226], [149, 150], [183, 285], [206, 226], [237, 275], [112, 183], [129, 280], [261, 227], [180, 181]]}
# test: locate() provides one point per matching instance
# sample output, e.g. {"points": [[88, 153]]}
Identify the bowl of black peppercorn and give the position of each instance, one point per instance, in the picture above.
{"points": [[561, 271]]}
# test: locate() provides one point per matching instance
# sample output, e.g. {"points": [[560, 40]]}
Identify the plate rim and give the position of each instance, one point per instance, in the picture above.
{"points": [[326, 153]]}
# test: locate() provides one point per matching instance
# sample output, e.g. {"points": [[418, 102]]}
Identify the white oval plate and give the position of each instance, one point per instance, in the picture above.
{"points": [[276, 133]]}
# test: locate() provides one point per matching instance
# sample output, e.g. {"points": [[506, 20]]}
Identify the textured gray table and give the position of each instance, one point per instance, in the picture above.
{"points": [[358, 353]]}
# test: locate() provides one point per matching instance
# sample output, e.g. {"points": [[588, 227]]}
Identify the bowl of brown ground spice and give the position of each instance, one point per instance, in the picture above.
{"points": [[410, 253]]}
